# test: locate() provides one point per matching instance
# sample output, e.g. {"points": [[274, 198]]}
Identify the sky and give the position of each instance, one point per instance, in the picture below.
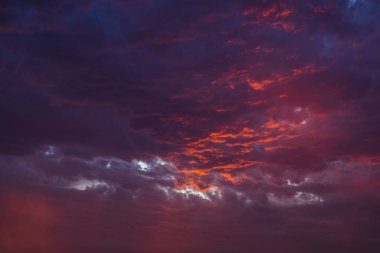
{"points": [[162, 126]]}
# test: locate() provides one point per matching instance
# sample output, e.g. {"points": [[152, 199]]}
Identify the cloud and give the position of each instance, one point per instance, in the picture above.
{"points": [[190, 126], [299, 199], [85, 184]]}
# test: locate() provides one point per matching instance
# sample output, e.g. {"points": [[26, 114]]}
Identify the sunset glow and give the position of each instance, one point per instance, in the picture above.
{"points": [[201, 126]]}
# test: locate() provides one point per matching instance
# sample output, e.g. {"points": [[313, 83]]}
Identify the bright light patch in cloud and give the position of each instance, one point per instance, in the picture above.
{"points": [[143, 166], [190, 191], [164, 189], [291, 183], [161, 162], [214, 191], [50, 151], [86, 184], [187, 192], [299, 199]]}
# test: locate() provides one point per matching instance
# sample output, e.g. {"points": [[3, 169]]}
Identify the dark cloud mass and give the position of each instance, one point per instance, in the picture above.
{"points": [[189, 126]]}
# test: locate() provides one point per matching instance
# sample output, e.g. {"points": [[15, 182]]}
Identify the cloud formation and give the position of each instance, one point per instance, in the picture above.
{"points": [[189, 126]]}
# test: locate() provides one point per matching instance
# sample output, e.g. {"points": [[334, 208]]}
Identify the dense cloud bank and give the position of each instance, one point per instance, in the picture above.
{"points": [[189, 126]]}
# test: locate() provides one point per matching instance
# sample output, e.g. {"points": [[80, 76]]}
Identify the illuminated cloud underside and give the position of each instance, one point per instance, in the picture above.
{"points": [[86, 184], [299, 199]]}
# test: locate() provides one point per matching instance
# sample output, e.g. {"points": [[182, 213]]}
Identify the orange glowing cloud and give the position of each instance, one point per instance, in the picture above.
{"points": [[259, 85]]}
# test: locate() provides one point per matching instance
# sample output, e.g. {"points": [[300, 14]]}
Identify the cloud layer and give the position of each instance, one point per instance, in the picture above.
{"points": [[189, 126]]}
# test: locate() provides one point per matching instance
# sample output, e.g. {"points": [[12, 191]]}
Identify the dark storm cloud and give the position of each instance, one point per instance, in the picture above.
{"points": [[99, 219], [189, 126]]}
